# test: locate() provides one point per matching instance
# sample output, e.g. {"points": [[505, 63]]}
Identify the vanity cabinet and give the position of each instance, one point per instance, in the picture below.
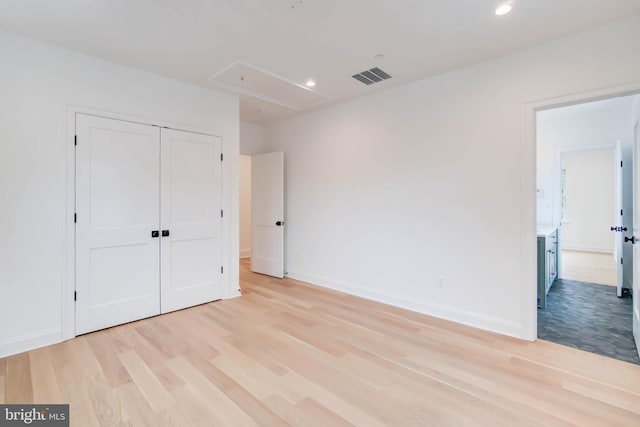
{"points": [[547, 263]]}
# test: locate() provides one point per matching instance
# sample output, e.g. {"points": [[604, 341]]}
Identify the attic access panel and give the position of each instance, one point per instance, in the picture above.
{"points": [[256, 82]]}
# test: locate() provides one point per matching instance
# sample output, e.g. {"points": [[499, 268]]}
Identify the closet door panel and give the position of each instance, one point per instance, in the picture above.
{"points": [[191, 253], [117, 205]]}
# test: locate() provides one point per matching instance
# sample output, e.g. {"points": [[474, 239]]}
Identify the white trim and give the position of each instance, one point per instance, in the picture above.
{"points": [[245, 253], [590, 148], [453, 314], [28, 342], [68, 284], [589, 249], [528, 193]]}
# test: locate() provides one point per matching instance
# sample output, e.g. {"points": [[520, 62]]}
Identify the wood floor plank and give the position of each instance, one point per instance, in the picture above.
{"points": [[45, 384], [73, 378], [3, 376], [104, 349], [225, 409], [319, 415], [294, 387], [156, 361], [197, 409], [591, 267], [257, 410], [290, 353], [19, 388], [137, 411], [151, 388]]}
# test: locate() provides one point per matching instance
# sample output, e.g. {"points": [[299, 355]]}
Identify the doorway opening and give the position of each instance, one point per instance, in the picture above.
{"points": [[262, 223], [585, 212]]}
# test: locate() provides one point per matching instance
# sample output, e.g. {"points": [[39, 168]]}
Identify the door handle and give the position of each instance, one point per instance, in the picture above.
{"points": [[165, 233], [631, 239], [155, 233], [279, 223], [618, 229]]}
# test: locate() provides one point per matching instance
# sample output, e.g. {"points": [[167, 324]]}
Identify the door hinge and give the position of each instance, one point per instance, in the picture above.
{"points": [[75, 295], [621, 260], [75, 139], [221, 157], [621, 212], [75, 218], [221, 213], [221, 270], [620, 163]]}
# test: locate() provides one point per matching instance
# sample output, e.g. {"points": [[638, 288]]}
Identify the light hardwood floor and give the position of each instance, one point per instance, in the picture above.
{"points": [[287, 353], [592, 267]]}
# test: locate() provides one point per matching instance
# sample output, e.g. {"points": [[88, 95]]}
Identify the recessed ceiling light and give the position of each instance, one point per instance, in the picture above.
{"points": [[260, 111], [504, 9], [310, 83], [379, 57]]}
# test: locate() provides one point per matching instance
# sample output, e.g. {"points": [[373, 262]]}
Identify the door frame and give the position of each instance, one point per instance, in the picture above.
{"points": [[528, 196], [68, 248]]}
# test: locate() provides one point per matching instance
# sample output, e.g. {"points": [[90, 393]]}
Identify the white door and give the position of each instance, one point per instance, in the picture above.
{"points": [[267, 212], [191, 219], [619, 218], [636, 234], [117, 200]]}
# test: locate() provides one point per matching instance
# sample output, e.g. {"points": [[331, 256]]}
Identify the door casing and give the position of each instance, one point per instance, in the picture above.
{"points": [[528, 161]]}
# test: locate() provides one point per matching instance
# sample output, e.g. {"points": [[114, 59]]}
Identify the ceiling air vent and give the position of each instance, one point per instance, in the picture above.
{"points": [[371, 76]]}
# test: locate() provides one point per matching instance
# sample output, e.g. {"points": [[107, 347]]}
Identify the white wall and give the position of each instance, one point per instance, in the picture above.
{"points": [[38, 83], [590, 200], [251, 138], [245, 206], [577, 127], [388, 193]]}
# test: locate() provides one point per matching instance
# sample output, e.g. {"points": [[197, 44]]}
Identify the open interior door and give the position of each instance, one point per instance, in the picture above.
{"points": [[267, 212], [619, 224], [636, 234]]}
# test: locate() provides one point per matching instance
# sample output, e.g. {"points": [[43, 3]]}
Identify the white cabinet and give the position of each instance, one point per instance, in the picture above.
{"points": [[547, 263], [148, 230]]}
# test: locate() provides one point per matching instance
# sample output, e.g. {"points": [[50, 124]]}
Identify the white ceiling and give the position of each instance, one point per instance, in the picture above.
{"points": [[327, 40]]}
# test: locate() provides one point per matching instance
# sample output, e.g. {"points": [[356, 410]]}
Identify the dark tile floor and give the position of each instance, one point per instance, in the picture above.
{"points": [[589, 317]]}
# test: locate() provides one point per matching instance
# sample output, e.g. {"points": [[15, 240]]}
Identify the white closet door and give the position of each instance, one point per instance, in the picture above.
{"points": [[191, 252], [117, 205]]}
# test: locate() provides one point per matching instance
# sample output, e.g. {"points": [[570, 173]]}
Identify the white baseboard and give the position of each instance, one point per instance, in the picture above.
{"points": [[15, 345], [587, 249], [245, 253], [476, 320]]}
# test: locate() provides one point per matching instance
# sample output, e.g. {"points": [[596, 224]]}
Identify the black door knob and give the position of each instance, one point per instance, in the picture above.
{"points": [[631, 239], [279, 223], [155, 233], [165, 233]]}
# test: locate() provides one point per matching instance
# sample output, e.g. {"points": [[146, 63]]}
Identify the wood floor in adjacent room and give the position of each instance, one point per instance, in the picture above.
{"points": [[287, 353], [589, 267]]}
